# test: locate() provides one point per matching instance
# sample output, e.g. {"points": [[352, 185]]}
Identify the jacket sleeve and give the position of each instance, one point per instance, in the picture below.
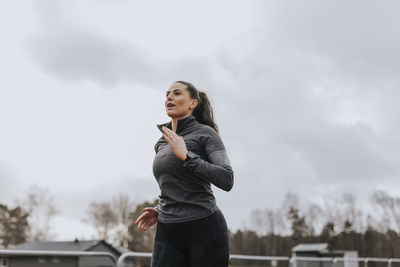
{"points": [[217, 170], [157, 207]]}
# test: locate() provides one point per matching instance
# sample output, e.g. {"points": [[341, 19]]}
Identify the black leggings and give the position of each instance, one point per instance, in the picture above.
{"points": [[199, 243]]}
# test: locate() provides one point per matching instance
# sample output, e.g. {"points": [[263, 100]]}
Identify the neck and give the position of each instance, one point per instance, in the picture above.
{"points": [[174, 121]]}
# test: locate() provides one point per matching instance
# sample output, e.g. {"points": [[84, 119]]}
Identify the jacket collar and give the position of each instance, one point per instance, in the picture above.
{"points": [[182, 123]]}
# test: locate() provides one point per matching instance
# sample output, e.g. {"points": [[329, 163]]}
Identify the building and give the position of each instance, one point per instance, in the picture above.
{"points": [[63, 261], [319, 250]]}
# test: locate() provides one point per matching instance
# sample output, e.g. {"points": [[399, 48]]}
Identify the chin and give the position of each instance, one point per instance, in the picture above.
{"points": [[173, 114]]}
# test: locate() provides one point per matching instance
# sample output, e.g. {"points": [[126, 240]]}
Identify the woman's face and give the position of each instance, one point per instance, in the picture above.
{"points": [[178, 101]]}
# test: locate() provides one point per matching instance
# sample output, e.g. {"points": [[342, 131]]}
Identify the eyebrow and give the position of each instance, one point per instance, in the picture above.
{"points": [[174, 90]]}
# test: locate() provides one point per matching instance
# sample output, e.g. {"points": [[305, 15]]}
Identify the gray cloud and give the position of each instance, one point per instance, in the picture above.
{"points": [[69, 51], [358, 38], [343, 154], [78, 55], [278, 90], [347, 53], [9, 183]]}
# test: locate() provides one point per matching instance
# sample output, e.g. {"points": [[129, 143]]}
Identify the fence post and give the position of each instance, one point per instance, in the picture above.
{"points": [[334, 260], [366, 262], [292, 261], [389, 263]]}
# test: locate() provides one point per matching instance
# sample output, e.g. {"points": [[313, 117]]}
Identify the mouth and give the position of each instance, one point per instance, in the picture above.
{"points": [[170, 105]]}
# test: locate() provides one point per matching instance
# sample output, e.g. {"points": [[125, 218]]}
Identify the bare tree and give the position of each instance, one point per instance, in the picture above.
{"points": [[103, 218], [315, 217], [39, 204], [333, 209], [111, 219], [390, 208], [123, 207], [258, 220], [268, 221], [352, 214]]}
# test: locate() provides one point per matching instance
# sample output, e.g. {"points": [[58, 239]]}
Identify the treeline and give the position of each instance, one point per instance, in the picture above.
{"points": [[337, 221], [370, 243], [371, 229]]}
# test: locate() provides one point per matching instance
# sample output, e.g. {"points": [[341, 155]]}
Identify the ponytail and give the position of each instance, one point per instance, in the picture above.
{"points": [[203, 111]]}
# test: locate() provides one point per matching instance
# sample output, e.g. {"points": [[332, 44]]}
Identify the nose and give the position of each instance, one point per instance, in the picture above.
{"points": [[169, 97]]}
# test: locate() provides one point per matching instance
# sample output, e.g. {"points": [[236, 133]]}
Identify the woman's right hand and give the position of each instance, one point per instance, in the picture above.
{"points": [[147, 218]]}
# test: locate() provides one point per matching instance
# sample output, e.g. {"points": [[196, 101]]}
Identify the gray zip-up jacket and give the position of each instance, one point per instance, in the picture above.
{"points": [[186, 192]]}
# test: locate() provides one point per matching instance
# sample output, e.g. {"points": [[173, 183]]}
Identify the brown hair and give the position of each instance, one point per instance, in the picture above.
{"points": [[203, 111]]}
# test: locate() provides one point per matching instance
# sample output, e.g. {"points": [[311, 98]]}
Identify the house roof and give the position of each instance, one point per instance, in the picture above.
{"points": [[77, 245], [314, 247]]}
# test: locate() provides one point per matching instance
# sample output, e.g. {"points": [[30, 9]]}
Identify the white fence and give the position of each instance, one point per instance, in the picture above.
{"points": [[273, 260]]}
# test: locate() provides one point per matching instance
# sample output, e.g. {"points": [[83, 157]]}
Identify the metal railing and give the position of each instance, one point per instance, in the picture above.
{"points": [[120, 262], [274, 259], [124, 256], [293, 260]]}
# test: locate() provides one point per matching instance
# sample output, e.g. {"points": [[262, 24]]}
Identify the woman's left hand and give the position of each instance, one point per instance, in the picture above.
{"points": [[175, 142]]}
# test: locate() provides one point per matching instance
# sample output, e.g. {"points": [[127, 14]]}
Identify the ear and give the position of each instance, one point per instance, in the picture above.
{"points": [[194, 103]]}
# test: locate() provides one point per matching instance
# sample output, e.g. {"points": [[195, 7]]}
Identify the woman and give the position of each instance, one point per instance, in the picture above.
{"points": [[190, 155]]}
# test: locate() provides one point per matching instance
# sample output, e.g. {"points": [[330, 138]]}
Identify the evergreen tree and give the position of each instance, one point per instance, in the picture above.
{"points": [[300, 229], [14, 227]]}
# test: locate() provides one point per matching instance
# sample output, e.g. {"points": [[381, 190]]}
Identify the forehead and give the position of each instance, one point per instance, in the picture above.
{"points": [[176, 86]]}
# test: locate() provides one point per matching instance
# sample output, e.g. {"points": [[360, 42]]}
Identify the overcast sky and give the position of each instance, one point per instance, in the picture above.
{"points": [[305, 94]]}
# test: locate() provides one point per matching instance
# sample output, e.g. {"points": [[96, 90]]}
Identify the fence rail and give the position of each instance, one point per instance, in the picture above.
{"points": [[120, 262], [291, 260]]}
